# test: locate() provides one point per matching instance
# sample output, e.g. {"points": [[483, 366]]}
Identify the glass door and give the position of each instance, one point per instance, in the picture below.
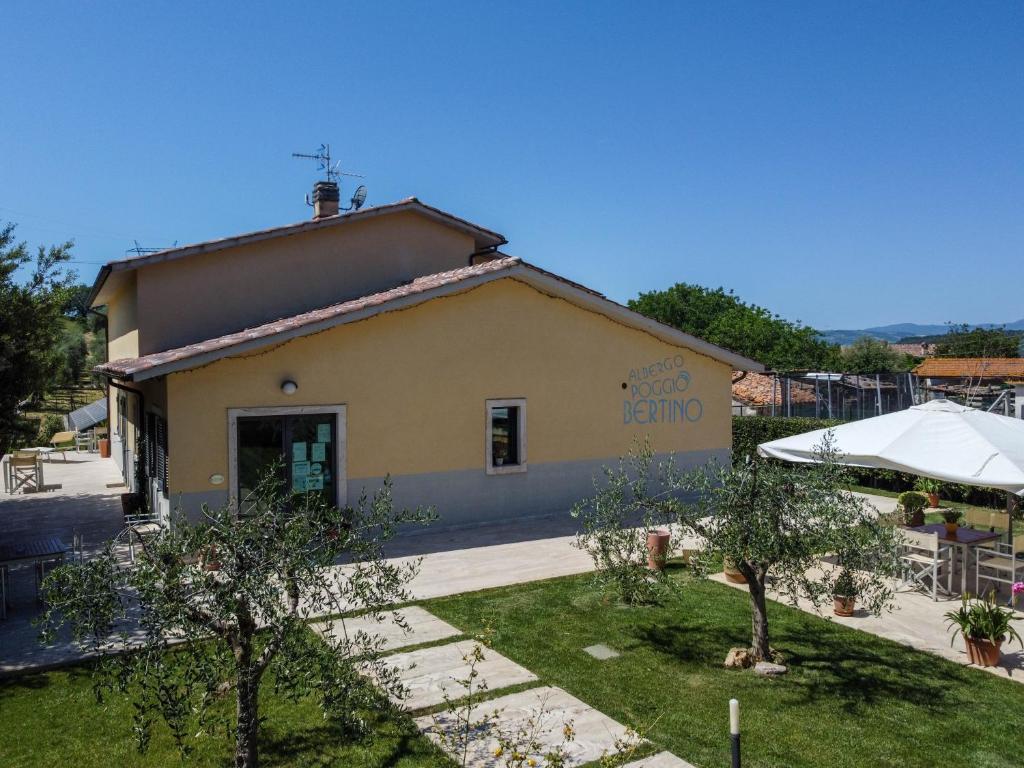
{"points": [[303, 446]]}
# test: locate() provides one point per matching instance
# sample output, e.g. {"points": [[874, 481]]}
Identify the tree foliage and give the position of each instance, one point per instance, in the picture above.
{"points": [[965, 341], [615, 522], [722, 318], [209, 608], [30, 326], [795, 528], [870, 355], [795, 525]]}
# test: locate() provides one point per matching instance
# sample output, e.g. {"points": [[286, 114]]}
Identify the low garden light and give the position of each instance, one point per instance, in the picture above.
{"points": [[289, 387], [734, 731]]}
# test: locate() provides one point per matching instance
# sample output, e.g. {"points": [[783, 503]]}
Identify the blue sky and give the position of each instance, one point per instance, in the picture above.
{"points": [[842, 164]]}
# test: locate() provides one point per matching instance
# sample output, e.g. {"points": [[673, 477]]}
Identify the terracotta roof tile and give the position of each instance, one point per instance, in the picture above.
{"points": [[755, 389], [972, 367]]}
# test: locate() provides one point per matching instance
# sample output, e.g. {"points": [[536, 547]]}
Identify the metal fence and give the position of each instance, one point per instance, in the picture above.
{"points": [[860, 396]]}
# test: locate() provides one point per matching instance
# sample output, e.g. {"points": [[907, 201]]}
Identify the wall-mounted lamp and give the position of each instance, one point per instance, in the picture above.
{"points": [[289, 387]]}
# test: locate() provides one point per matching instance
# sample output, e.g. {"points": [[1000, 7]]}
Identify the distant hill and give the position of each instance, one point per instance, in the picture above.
{"points": [[904, 332]]}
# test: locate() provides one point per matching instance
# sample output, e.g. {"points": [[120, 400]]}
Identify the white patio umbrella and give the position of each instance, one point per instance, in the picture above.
{"points": [[939, 439]]}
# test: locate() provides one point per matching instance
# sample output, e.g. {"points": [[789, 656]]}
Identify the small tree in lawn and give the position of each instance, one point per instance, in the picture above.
{"points": [[776, 522], [209, 608], [615, 522]]}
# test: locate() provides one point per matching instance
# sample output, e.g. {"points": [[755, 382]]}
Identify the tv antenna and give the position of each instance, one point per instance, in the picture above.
{"points": [[140, 250], [333, 172]]}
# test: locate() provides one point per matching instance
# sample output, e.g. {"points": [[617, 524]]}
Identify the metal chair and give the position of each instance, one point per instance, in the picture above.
{"points": [[925, 559], [139, 526], [980, 519], [999, 563]]}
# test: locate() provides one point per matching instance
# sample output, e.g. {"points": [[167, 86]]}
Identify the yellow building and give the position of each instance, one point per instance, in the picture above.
{"points": [[396, 340]]}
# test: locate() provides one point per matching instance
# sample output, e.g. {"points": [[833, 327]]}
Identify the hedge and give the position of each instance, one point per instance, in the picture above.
{"points": [[749, 431]]}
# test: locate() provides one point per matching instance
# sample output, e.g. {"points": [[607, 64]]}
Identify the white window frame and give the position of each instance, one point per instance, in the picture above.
{"points": [[505, 469], [340, 413]]}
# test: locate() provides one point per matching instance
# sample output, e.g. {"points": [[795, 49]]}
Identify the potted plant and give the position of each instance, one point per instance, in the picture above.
{"points": [[844, 593], [952, 519], [657, 548], [732, 573], [985, 625], [930, 488], [912, 503]]}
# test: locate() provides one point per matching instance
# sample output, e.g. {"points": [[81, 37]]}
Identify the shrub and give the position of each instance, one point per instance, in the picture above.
{"points": [[912, 501], [750, 431], [49, 426]]}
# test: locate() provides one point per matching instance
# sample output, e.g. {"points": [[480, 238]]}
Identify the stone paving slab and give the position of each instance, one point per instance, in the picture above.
{"points": [[423, 627], [595, 734], [660, 760], [431, 672]]}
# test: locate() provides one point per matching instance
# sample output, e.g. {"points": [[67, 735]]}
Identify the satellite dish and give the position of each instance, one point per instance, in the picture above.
{"points": [[359, 197]]}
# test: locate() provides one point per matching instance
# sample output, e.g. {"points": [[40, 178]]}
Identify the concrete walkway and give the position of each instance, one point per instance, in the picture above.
{"points": [[83, 498], [442, 674]]}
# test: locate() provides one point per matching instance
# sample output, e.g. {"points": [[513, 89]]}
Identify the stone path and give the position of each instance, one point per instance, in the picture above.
{"points": [[429, 673], [421, 627], [544, 712]]}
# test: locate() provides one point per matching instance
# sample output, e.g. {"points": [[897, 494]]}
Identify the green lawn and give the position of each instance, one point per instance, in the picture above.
{"points": [[850, 699], [51, 719]]}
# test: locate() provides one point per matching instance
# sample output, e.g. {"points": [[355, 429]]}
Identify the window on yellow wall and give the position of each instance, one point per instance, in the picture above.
{"points": [[505, 436]]}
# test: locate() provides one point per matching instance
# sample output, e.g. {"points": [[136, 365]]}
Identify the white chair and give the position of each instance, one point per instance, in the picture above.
{"points": [[998, 563], [139, 526], [925, 559], [83, 441]]}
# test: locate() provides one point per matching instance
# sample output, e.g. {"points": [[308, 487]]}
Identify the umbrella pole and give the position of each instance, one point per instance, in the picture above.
{"points": [[1011, 506]]}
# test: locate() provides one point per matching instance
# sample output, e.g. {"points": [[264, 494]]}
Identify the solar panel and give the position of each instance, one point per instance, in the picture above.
{"points": [[88, 416]]}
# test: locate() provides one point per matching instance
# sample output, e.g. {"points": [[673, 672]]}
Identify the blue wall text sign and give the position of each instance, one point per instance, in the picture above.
{"points": [[654, 394]]}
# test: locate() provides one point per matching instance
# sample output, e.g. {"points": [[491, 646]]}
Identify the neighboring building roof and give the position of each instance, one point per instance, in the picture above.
{"points": [[755, 389], [915, 349], [485, 238], [972, 368], [418, 291]]}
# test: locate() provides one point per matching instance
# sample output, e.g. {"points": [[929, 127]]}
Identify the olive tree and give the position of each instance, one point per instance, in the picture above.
{"points": [[210, 607], [614, 525], [794, 529]]}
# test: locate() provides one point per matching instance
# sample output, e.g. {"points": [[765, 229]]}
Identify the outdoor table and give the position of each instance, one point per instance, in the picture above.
{"points": [[36, 551], [964, 539]]}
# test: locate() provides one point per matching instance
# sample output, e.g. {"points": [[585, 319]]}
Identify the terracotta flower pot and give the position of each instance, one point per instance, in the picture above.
{"points": [[933, 500], [732, 573], [843, 606], [210, 561], [916, 519], [983, 652], [657, 548], [952, 528]]}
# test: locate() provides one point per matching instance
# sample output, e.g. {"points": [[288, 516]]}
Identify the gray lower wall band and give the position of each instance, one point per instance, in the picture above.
{"points": [[472, 497]]}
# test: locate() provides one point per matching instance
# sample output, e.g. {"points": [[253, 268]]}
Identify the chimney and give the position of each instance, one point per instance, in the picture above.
{"points": [[325, 199]]}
